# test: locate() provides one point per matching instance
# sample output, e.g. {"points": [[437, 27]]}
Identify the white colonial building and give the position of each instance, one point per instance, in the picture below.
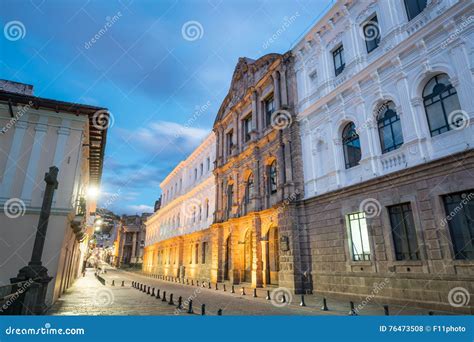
{"points": [[370, 76], [188, 196]]}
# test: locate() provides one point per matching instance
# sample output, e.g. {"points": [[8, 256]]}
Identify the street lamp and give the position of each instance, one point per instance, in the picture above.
{"points": [[92, 192]]}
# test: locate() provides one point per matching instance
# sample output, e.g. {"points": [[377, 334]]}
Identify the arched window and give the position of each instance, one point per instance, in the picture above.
{"points": [[351, 143], [207, 207], [230, 196], [390, 127], [249, 188], [272, 173], [440, 99]]}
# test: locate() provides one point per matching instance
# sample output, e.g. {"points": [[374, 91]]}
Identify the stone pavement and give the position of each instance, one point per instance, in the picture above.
{"points": [[89, 297]]}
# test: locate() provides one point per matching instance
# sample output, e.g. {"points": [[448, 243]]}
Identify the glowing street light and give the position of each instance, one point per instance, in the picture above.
{"points": [[92, 192]]}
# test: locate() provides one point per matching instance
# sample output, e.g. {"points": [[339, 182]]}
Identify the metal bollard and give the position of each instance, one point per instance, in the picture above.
{"points": [[133, 284], [197, 282], [385, 310], [180, 302], [325, 306], [187, 281], [171, 300], [192, 282], [148, 291], [302, 301], [255, 293], [224, 288], [164, 297], [158, 294], [242, 291], [232, 289], [153, 292], [268, 295], [352, 312], [113, 282], [217, 288], [190, 307], [219, 312], [209, 286], [203, 309], [123, 283]]}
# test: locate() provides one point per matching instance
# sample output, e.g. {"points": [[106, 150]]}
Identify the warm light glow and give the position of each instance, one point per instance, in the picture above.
{"points": [[97, 228], [92, 192], [99, 221]]}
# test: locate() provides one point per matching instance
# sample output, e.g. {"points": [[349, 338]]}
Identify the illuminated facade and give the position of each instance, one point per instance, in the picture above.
{"points": [[178, 236]]}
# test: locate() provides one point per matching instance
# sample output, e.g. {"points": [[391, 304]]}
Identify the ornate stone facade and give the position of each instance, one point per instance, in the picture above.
{"points": [[258, 175]]}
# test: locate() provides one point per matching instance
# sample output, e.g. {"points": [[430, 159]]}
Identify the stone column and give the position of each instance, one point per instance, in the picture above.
{"points": [[284, 86], [276, 89], [257, 267], [255, 114], [134, 243]]}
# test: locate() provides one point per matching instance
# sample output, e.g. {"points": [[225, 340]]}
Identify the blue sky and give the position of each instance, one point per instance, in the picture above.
{"points": [[150, 75]]}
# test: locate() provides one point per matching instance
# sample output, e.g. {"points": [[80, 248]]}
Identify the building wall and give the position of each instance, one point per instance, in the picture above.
{"points": [[181, 225], [41, 138], [419, 172]]}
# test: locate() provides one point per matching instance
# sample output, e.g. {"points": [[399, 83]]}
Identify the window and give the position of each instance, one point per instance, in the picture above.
{"points": [[208, 163], [269, 109], [359, 236], [249, 189], [440, 99], [371, 33], [202, 168], [390, 128], [204, 252], [195, 174], [460, 218], [200, 212], [403, 232], [338, 58], [207, 208], [247, 128], [196, 254], [272, 173], [351, 145], [230, 196], [414, 7], [191, 254], [229, 142]]}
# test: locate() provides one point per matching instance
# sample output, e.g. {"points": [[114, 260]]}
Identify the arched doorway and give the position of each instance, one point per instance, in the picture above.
{"points": [[248, 256], [272, 255], [227, 259]]}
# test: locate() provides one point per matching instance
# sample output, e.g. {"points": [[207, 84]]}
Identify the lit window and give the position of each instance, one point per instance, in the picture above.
{"points": [[249, 189], [273, 177], [359, 236], [247, 128], [414, 7]]}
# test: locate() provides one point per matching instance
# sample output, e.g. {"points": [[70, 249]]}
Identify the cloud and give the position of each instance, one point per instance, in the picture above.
{"points": [[140, 208]]}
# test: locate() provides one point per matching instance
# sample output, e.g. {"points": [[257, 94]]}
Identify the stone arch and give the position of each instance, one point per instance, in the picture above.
{"points": [[424, 76]]}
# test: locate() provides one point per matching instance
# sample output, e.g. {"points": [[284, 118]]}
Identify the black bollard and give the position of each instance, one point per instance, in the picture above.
{"points": [[192, 282], [224, 288], [217, 288], [219, 312], [187, 281], [352, 312], [164, 297], [197, 282], [123, 283], [180, 302], [430, 313], [325, 306], [255, 293], [133, 284], [171, 300], [148, 291], [190, 307], [113, 282], [209, 286], [232, 289], [242, 291], [283, 298], [158, 294], [302, 301], [268, 295], [153, 292], [203, 309], [385, 310]]}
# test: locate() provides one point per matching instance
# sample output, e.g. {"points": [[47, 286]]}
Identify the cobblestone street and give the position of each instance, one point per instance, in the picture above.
{"points": [[89, 297]]}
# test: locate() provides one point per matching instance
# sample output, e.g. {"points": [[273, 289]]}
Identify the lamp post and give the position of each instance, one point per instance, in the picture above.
{"points": [[34, 302]]}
